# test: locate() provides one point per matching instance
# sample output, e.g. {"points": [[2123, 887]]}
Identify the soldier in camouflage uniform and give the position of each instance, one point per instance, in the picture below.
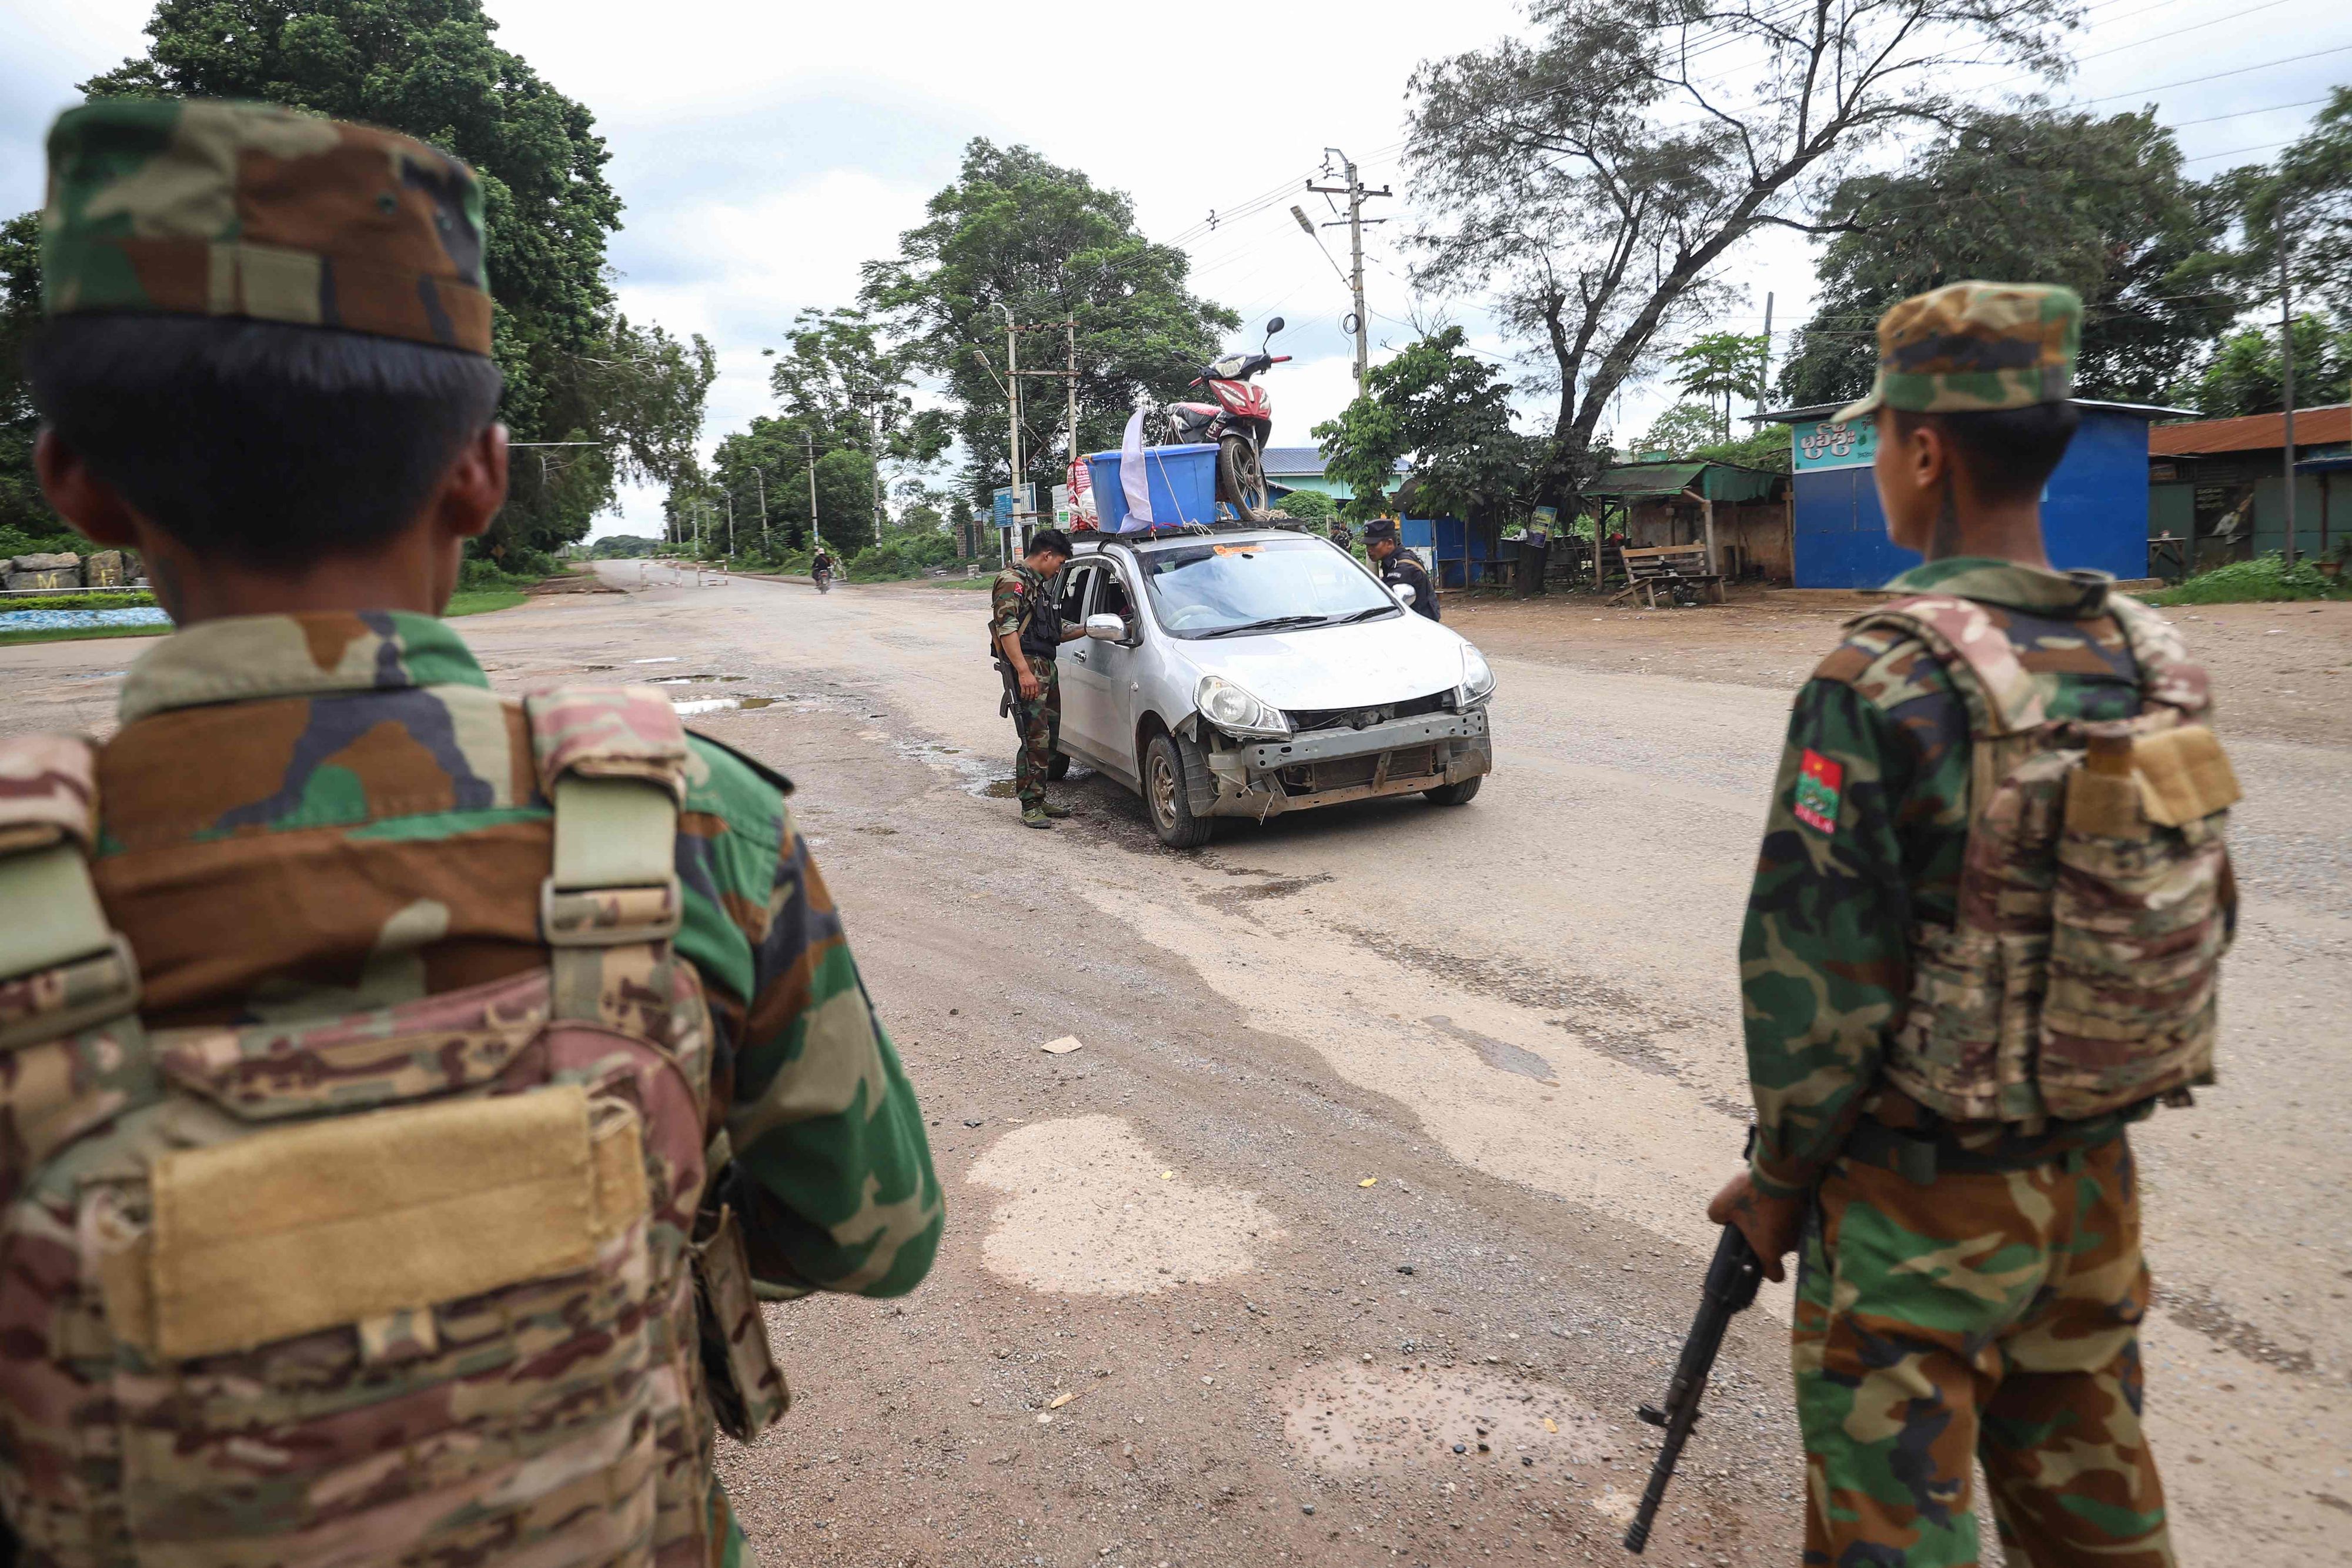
{"points": [[1025, 629], [1970, 1284], [331, 965]]}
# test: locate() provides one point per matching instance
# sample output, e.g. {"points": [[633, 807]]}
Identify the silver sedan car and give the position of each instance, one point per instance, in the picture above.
{"points": [[1245, 672]]}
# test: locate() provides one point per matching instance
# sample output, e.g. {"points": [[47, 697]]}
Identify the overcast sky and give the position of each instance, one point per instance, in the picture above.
{"points": [[764, 152]]}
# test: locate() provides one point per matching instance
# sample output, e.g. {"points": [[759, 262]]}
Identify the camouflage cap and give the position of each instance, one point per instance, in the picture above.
{"points": [[1975, 347], [195, 208]]}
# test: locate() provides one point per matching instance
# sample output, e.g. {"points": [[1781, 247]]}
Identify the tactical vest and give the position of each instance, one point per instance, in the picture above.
{"points": [[429, 1283], [1041, 621], [2080, 973]]}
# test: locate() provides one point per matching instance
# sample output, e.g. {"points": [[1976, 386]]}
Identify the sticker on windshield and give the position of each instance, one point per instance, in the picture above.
{"points": [[1237, 549]]}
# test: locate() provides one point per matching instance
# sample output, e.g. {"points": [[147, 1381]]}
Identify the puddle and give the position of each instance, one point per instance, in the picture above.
{"points": [[665, 659], [1499, 1054], [1092, 1210], [1003, 790], [719, 705], [1344, 1415]]}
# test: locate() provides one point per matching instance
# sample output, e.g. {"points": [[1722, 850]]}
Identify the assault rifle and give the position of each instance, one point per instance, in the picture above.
{"points": [[1730, 1287]]}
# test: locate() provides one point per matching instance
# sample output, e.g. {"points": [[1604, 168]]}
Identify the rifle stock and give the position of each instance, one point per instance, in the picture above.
{"points": [[1730, 1287]]}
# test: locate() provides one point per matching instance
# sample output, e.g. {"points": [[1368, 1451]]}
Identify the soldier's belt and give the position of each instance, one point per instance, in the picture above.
{"points": [[1921, 1159]]}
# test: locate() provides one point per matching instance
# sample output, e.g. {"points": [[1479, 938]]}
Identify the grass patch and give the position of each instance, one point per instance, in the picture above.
{"points": [[2262, 580], [481, 601], [985, 580], [79, 633]]}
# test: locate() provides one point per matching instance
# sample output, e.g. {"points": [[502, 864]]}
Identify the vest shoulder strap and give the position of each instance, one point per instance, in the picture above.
{"points": [[2167, 676], [63, 966], [612, 760], [2001, 697]]}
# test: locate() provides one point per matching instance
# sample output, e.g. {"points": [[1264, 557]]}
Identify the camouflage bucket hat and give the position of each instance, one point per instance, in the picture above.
{"points": [[1971, 348], [193, 208]]}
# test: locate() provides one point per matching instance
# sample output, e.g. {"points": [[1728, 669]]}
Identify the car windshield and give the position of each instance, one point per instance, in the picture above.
{"points": [[1220, 589]]}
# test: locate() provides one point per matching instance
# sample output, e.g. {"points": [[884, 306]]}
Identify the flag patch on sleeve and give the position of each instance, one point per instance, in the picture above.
{"points": [[1818, 780]]}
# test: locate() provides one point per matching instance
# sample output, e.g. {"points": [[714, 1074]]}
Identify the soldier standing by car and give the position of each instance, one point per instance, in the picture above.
{"points": [[1025, 633], [1945, 1147], [1398, 567]]}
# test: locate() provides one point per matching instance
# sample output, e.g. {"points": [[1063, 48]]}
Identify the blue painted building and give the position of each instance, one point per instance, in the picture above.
{"points": [[2093, 511]]}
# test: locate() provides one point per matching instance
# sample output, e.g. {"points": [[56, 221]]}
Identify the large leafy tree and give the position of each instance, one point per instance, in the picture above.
{"points": [[1721, 365], [1448, 414], [1594, 177], [26, 521], [2306, 198], [576, 371], [2247, 374], [2097, 203], [768, 465], [1016, 233]]}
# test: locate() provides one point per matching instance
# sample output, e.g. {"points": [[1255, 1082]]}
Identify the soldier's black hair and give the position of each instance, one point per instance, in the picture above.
{"points": [[257, 441], [1053, 540], [2010, 452]]}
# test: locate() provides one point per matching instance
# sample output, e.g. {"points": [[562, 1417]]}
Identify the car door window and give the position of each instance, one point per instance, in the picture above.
{"points": [[1075, 581], [1112, 598]]}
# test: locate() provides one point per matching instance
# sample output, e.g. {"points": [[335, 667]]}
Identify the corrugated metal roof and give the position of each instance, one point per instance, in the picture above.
{"points": [[1645, 479], [1303, 462], [2252, 432]]}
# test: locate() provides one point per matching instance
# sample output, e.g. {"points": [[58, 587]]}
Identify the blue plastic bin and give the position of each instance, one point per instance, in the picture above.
{"points": [[1182, 482]]}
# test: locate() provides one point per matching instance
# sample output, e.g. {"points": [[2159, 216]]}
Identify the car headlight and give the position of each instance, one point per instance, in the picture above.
{"points": [[1236, 711], [1477, 678]]}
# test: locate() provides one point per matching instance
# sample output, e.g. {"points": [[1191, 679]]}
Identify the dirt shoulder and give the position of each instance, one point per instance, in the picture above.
{"points": [[2276, 668]]}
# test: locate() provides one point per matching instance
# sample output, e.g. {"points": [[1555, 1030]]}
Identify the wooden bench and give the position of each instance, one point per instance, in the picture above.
{"points": [[1670, 567]]}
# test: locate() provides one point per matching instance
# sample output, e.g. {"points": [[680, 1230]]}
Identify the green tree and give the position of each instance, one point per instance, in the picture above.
{"points": [[1679, 432], [1308, 505], [2246, 374], [26, 521], [1449, 413], [1721, 364], [837, 377], [1017, 234], [1593, 178], [576, 369], [2308, 196], [2097, 203]]}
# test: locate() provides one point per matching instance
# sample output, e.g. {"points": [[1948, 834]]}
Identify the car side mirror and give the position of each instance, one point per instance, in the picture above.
{"points": [[1403, 591], [1105, 628]]}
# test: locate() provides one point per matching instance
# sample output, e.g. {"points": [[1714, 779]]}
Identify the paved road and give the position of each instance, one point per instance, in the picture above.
{"points": [[1389, 1131]]}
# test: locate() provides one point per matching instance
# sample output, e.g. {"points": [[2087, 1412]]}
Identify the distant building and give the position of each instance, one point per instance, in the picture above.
{"points": [[2095, 509], [2219, 485], [1301, 468], [1740, 514]]}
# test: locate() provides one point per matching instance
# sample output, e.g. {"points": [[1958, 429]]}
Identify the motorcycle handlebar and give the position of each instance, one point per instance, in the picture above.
{"points": [[1279, 360]]}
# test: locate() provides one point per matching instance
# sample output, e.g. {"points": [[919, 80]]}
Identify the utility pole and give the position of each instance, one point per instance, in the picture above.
{"points": [[1070, 328], [874, 423], [1011, 428], [1764, 362], [730, 524], [1357, 197], [816, 539], [759, 479], [2286, 362]]}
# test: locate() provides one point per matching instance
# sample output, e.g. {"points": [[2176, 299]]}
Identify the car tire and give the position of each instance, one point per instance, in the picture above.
{"points": [[1166, 798], [1059, 768], [1460, 794]]}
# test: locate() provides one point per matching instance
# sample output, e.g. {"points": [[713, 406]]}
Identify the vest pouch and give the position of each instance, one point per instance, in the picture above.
{"points": [[422, 1324], [1964, 1048], [739, 1365], [2141, 915]]}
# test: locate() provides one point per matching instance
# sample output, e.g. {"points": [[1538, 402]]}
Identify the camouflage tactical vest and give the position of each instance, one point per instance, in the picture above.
{"points": [[413, 1285], [2079, 975]]}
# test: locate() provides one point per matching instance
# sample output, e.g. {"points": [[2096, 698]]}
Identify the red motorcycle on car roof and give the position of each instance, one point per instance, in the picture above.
{"points": [[1236, 424]]}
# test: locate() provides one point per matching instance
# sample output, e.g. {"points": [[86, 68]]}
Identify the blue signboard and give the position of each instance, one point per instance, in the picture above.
{"points": [[1004, 507], [1828, 444]]}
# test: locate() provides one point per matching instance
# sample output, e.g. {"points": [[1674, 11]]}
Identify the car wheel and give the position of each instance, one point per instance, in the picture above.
{"points": [[1059, 768], [1166, 797], [1460, 794]]}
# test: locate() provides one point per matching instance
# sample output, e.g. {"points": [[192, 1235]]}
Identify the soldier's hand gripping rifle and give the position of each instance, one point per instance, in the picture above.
{"points": [[1731, 1282]]}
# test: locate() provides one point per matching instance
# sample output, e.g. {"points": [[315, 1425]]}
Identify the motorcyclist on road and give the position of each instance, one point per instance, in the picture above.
{"points": [[821, 565]]}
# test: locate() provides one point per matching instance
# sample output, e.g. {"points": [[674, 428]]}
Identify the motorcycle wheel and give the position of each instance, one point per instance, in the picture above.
{"points": [[1241, 478]]}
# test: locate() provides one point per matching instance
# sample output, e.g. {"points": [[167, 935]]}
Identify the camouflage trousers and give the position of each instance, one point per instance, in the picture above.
{"points": [[1985, 1315], [1038, 722]]}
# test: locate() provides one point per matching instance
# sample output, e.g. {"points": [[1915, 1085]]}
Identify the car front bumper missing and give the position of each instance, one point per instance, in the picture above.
{"points": [[1327, 767]]}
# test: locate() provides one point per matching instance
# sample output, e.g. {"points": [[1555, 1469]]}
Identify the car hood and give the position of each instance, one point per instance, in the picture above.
{"points": [[1363, 666]]}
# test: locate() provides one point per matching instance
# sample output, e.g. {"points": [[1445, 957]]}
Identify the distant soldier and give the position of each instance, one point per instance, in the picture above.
{"points": [[1025, 633], [412, 1091], [1398, 566], [1954, 1008]]}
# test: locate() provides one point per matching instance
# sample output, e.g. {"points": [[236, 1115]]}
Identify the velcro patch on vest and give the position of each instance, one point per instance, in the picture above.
{"points": [[1819, 781]]}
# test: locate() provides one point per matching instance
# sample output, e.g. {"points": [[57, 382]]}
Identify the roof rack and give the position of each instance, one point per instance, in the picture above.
{"points": [[1178, 530]]}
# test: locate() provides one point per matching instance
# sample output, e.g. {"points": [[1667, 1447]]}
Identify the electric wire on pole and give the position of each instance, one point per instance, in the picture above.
{"points": [[1012, 435], [816, 537], [2286, 363], [1357, 197]]}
